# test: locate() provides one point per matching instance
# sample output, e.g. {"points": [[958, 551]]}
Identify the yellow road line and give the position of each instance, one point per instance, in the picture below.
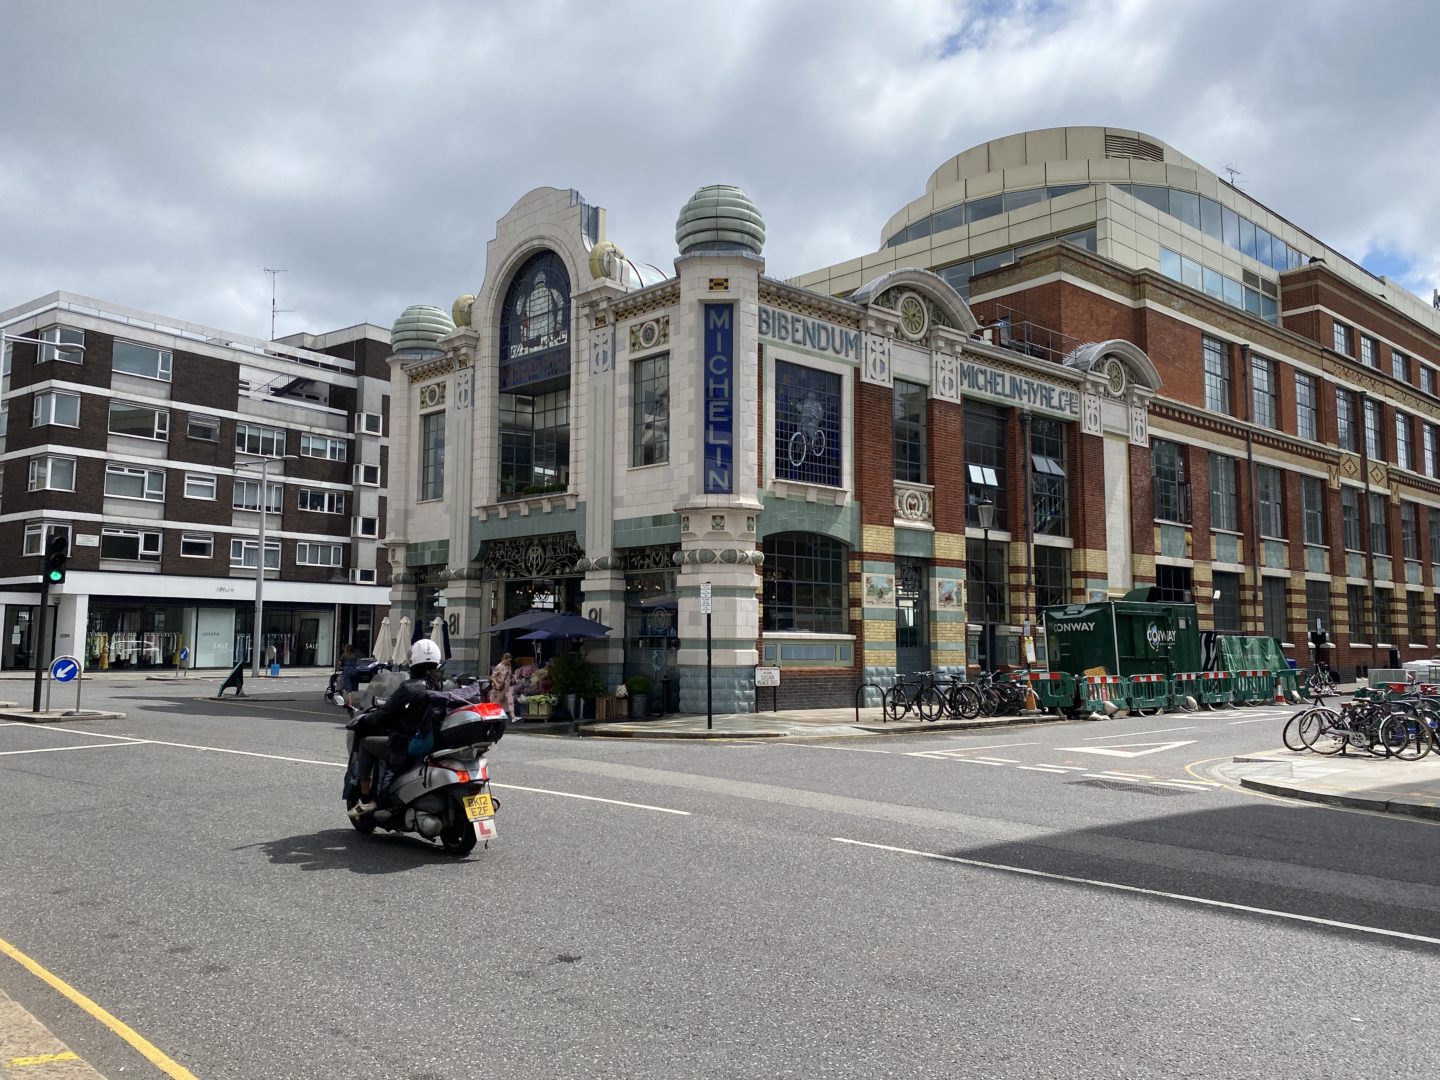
{"points": [[162, 1061], [42, 1059]]}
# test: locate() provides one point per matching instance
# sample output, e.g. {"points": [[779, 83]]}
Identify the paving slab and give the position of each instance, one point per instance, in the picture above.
{"points": [[793, 723], [55, 716]]}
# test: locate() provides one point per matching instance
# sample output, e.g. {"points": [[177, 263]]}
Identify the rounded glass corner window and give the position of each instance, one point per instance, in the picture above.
{"points": [[914, 315]]}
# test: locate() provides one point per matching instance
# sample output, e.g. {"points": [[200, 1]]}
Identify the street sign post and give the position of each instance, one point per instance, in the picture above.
{"points": [[769, 676], [180, 658], [709, 657]]}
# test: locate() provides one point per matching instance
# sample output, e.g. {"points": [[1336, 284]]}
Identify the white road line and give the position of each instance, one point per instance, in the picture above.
{"points": [[1131, 734], [82, 746], [1070, 768], [1136, 890], [963, 760], [1195, 783], [1261, 720], [1125, 775], [1180, 784], [1041, 768], [997, 760], [591, 798], [815, 746], [989, 746]]}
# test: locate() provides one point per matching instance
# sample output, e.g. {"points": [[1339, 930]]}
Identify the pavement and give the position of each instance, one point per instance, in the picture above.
{"points": [[1362, 783], [791, 723]]}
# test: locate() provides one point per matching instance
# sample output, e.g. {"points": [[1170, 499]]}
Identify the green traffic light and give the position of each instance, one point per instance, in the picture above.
{"points": [[56, 577]]}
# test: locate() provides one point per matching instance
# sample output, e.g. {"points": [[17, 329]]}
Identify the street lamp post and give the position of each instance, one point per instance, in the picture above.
{"points": [[985, 510], [256, 638], [41, 641]]}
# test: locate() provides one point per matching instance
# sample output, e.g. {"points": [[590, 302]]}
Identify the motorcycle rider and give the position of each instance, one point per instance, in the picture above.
{"points": [[401, 716]]}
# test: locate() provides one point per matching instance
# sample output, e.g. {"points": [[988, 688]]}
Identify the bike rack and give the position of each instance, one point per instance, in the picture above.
{"points": [[859, 692]]}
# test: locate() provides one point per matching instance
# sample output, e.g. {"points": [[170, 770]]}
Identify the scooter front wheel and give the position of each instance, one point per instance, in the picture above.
{"points": [[363, 824], [458, 837]]}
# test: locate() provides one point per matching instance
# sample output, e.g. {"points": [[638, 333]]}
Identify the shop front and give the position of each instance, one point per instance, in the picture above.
{"points": [[124, 633]]}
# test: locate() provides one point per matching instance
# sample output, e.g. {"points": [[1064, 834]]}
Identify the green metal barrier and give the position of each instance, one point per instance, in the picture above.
{"points": [[1216, 688], [1254, 687], [1098, 689]]}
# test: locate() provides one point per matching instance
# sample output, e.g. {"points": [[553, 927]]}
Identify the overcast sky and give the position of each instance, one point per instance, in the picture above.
{"points": [[162, 154]]}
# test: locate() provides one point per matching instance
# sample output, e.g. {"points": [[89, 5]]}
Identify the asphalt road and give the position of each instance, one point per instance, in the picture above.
{"points": [[1069, 900]]}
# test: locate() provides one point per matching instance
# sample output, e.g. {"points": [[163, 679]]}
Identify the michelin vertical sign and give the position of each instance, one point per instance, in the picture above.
{"points": [[719, 399]]}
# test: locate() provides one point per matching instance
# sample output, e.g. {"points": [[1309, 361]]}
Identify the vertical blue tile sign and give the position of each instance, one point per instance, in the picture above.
{"points": [[719, 399]]}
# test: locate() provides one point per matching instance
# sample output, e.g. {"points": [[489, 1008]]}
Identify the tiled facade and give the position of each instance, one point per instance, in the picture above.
{"points": [[130, 447]]}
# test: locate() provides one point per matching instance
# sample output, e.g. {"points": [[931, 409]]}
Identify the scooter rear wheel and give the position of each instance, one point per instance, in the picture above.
{"points": [[458, 838]]}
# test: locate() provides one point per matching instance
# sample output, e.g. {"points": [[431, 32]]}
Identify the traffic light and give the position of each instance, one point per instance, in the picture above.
{"points": [[57, 554]]}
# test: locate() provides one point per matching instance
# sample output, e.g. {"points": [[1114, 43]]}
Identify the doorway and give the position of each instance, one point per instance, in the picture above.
{"points": [[912, 616]]}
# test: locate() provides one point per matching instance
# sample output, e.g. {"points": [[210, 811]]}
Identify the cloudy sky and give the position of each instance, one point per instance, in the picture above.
{"points": [[162, 154]]}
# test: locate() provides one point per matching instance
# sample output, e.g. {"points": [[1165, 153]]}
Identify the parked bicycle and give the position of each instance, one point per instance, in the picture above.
{"points": [[915, 692]]}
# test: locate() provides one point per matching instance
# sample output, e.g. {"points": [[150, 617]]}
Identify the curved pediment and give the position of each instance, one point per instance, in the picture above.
{"points": [[1094, 358], [944, 306]]}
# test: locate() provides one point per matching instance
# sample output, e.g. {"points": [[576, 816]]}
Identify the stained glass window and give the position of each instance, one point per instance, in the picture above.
{"points": [[807, 425]]}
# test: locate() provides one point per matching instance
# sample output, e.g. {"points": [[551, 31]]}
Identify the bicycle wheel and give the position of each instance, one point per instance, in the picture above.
{"points": [[894, 704], [929, 703], [1405, 736], [1309, 719], [968, 701], [1327, 736], [989, 701]]}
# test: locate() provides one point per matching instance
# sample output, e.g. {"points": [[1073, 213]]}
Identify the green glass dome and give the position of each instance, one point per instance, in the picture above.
{"points": [[720, 218]]}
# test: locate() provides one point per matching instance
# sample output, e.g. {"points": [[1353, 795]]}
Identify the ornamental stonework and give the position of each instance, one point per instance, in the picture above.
{"points": [[877, 367], [431, 395], [601, 357], [945, 377], [650, 333]]}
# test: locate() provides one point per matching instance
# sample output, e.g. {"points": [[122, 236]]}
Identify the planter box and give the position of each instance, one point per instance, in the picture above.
{"points": [[537, 710]]}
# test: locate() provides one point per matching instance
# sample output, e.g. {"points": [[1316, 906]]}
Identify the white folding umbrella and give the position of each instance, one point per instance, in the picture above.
{"points": [[382, 645], [440, 634], [401, 653]]}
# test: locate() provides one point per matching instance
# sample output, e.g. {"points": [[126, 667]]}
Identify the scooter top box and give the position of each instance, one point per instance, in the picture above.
{"points": [[483, 722]]}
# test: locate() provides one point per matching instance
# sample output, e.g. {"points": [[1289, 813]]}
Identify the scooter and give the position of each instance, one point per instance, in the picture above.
{"points": [[365, 670], [443, 795]]}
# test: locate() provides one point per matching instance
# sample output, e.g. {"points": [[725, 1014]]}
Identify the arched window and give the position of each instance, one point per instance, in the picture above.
{"points": [[806, 584], [535, 379]]}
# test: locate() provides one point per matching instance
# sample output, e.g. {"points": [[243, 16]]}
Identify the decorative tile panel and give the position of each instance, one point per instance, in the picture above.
{"points": [[945, 377], [601, 357], [1275, 555], [1317, 560], [1090, 422], [914, 502], [877, 368], [1139, 426]]}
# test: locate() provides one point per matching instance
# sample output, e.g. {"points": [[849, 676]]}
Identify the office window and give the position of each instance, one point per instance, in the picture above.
{"points": [[1379, 525], [986, 471], [57, 338], [322, 502], [1403, 452], [1372, 430], [1400, 366], [1227, 603], [1273, 607], [55, 407], [1430, 440], [1350, 518], [1048, 481], [1262, 384], [1317, 606], [134, 545], [38, 534], [807, 424], [650, 421], [1415, 616], [1217, 375], [1355, 611], [432, 455], [1052, 576], [1174, 584], [1224, 501], [125, 482], [144, 360], [367, 475], [242, 553], [324, 446], [199, 486], [259, 441], [909, 416], [1410, 530], [369, 423], [1270, 498], [247, 496], [1312, 495], [1307, 400], [52, 474], [1172, 493], [1368, 352], [1345, 420], [197, 545], [1433, 520], [138, 421], [205, 428], [1342, 339], [1427, 380], [805, 584], [308, 553], [4, 418], [1384, 615], [365, 526]]}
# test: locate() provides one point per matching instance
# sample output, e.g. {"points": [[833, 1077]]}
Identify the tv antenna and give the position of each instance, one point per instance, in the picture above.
{"points": [[1232, 172], [273, 309]]}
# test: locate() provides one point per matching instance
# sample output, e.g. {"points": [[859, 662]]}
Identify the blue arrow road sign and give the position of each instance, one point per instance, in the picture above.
{"points": [[184, 655], [64, 668]]}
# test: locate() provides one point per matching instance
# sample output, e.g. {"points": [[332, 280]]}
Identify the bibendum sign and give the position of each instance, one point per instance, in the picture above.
{"points": [[801, 331]]}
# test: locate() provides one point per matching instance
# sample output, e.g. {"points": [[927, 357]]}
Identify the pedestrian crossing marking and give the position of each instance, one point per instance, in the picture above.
{"points": [[1127, 750]]}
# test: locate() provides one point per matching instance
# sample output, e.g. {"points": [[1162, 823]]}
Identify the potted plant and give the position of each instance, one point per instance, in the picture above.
{"points": [[540, 705], [639, 688], [572, 678]]}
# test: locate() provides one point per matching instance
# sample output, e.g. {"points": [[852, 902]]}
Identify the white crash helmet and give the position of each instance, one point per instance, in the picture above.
{"points": [[425, 651]]}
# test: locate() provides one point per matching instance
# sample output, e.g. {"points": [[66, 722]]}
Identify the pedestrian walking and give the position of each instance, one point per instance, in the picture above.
{"points": [[502, 685]]}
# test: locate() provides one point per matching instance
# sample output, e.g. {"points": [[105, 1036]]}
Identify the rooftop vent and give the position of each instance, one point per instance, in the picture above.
{"points": [[1125, 146]]}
